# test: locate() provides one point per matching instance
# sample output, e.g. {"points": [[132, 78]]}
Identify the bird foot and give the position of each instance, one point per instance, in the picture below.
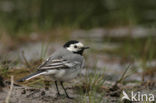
{"points": [[69, 97], [62, 95]]}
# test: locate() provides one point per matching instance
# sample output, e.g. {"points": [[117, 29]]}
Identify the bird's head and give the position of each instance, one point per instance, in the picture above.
{"points": [[75, 46]]}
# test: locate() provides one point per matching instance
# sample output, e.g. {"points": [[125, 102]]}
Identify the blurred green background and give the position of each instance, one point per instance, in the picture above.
{"points": [[31, 15], [57, 19]]}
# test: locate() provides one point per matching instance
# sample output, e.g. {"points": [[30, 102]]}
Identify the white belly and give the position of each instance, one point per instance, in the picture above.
{"points": [[65, 74]]}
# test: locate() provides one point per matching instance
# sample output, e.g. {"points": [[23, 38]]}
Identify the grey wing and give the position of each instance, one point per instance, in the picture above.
{"points": [[57, 64]]}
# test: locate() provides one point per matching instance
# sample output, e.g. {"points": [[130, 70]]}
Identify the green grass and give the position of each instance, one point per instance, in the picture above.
{"points": [[136, 48], [92, 88], [29, 16], [3, 71]]}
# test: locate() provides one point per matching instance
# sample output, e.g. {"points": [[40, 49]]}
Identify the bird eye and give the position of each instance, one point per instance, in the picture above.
{"points": [[75, 46]]}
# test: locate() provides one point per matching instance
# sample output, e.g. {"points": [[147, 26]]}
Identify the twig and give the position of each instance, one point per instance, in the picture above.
{"points": [[123, 75], [10, 91]]}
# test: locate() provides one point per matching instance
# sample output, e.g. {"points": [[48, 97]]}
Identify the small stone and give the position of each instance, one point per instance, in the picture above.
{"points": [[43, 93], [23, 92]]}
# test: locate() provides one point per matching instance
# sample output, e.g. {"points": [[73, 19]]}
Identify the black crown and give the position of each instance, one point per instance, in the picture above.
{"points": [[67, 44]]}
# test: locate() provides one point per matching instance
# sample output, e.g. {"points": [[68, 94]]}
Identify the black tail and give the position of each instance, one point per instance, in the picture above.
{"points": [[38, 73]]}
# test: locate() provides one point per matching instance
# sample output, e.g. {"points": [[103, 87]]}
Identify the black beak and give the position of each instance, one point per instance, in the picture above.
{"points": [[86, 47]]}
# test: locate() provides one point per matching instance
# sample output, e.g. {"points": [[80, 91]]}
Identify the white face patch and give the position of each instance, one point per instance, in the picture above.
{"points": [[75, 47], [79, 44]]}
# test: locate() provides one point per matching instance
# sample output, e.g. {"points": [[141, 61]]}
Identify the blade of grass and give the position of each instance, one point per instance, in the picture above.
{"points": [[10, 91]]}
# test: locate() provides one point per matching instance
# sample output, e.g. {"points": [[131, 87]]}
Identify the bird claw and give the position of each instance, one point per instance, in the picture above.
{"points": [[58, 94], [69, 97], [62, 95]]}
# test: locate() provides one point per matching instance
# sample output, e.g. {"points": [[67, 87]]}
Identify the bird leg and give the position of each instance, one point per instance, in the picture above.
{"points": [[58, 93], [65, 90]]}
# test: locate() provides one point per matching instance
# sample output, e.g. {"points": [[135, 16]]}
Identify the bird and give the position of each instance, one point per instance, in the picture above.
{"points": [[63, 65]]}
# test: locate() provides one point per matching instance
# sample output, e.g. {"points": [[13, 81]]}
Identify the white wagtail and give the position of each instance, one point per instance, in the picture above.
{"points": [[63, 65]]}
